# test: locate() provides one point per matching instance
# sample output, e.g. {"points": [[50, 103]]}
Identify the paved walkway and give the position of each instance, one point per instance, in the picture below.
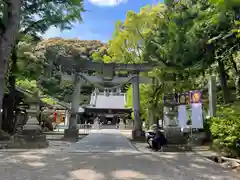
{"points": [[102, 141], [116, 159]]}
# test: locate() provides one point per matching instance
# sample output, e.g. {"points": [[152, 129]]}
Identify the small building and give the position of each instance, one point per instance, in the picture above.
{"points": [[108, 106]]}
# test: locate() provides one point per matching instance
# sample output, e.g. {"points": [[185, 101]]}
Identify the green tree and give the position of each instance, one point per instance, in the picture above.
{"points": [[48, 50], [187, 41], [227, 18], [37, 17], [195, 34], [9, 25], [127, 45]]}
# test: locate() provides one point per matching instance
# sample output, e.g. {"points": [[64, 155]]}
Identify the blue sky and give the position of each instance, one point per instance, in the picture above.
{"points": [[99, 19]]}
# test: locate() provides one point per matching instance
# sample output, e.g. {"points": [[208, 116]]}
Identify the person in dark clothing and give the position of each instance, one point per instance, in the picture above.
{"points": [[158, 140], [124, 122], [118, 122]]}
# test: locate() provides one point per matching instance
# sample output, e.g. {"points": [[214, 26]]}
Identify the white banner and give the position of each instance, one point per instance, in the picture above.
{"points": [[182, 116], [197, 116]]}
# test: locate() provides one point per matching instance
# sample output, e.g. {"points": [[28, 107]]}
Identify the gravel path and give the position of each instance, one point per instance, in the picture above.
{"points": [[106, 162], [102, 141]]}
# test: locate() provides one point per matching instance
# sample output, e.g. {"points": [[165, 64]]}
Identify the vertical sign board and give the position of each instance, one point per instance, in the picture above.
{"points": [[195, 97], [196, 109], [187, 95], [182, 98], [182, 111]]}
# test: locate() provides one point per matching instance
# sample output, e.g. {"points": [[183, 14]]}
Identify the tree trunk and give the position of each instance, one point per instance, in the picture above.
{"points": [[11, 18], [9, 123], [236, 77], [237, 85], [223, 80], [150, 116]]}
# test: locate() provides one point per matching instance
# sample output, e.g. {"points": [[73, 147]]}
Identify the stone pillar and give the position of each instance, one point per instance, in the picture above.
{"points": [[212, 96], [75, 102], [166, 119], [66, 120], [72, 131], [137, 131]]}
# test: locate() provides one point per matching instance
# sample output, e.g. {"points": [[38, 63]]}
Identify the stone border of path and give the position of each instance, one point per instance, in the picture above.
{"points": [[209, 155], [56, 144]]}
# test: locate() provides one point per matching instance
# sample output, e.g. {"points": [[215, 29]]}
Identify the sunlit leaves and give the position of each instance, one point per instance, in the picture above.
{"points": [[128, 40], [237, 29], [47, 52], [39, 15]]}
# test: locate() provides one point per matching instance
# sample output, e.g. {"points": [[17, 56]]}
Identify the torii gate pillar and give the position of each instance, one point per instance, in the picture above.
{"points": [[137, 131], [72, 131]]}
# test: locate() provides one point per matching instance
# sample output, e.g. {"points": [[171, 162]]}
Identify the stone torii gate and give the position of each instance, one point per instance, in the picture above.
{"points": [[106, 76]]}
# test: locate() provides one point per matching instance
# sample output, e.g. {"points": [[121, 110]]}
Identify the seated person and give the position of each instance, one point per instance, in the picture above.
{"points": [[156, 139]]}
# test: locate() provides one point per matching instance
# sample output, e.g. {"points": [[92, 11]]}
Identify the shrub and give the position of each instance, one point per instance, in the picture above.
{"points": [[206, 128], [225, 130], [49, 101]]}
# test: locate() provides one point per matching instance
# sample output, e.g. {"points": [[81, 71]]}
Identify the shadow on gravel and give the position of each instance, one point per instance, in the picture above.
{"points": [[144, 147], [46, 165]]}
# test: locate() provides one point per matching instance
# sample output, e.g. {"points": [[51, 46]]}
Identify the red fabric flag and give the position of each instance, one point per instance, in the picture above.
{"points": [[54, 116]]}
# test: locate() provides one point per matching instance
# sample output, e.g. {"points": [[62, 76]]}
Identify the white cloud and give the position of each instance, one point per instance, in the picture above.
{"points": [[52, 32], [83, 34], [107, 2], [55, 32]]}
